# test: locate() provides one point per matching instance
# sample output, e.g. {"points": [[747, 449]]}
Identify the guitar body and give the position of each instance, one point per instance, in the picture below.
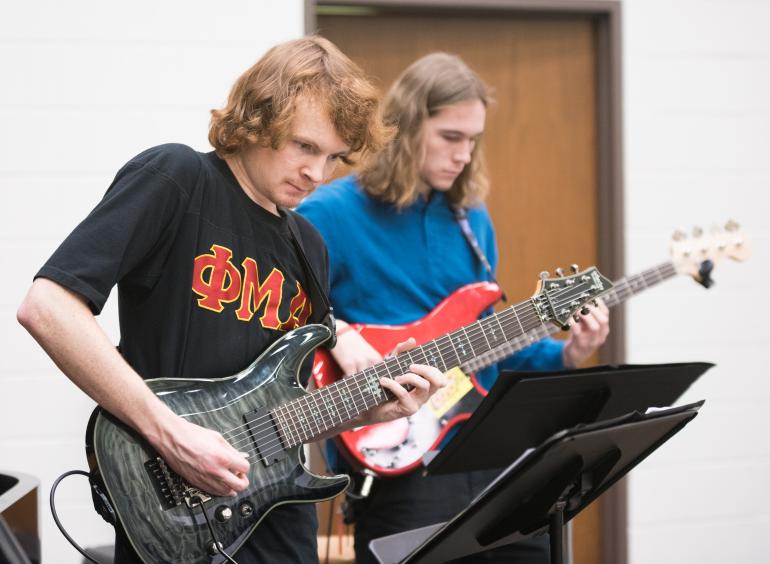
{"points": [[163, 528], [397, 447]]}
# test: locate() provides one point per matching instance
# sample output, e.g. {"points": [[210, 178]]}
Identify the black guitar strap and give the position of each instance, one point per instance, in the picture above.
{"points": [[461, 215], [318, 296]]}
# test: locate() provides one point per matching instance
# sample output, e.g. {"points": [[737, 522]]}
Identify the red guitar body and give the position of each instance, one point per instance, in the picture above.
{"points": [[397, 447]]}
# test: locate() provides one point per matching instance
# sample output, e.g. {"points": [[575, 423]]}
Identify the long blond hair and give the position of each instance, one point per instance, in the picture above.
{"points": [[262, 101], [429, 84]]}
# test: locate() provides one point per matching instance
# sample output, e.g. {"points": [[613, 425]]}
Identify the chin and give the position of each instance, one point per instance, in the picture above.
{"points": [[292, 201]]}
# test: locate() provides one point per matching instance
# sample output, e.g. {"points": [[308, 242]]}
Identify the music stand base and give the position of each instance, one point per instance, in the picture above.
{"points": [[556, 533]]}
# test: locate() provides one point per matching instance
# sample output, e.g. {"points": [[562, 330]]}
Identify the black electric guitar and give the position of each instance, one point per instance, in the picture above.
{"points": [[264, 411]]}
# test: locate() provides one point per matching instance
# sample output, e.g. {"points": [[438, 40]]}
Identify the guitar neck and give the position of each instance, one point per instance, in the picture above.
{"points": [[312, 415], [622, 289]]}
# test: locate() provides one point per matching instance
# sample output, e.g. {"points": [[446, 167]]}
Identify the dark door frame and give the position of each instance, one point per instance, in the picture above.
{"points": [[606, 16]]}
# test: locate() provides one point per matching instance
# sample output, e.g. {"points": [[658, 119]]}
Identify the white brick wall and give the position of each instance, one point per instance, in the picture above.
{"points": [[85, 86], [697, 119]]}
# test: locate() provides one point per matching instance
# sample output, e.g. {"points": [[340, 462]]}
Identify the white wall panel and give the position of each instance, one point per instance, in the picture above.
{"points": [[697, 113]]}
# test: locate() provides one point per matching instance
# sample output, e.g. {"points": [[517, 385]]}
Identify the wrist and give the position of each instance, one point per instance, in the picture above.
{"points": [[157, 423], [567, 358], [342, 328]]}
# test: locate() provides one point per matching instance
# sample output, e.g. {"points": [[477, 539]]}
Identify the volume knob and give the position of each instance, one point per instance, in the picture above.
{"points": [[223, 513]]}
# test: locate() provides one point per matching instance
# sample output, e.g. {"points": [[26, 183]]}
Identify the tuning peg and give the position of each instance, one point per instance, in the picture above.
{"points": [[559, 272], [697, 231], [679, 235], [732, 225], [704, 274], [544, 275], [574, 268]]}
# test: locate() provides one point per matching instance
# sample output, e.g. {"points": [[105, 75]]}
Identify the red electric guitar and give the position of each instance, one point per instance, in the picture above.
{"points": [[397, 447]]}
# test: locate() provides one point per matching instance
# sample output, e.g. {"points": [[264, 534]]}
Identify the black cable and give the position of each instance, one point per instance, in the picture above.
{"points": [[219, 546], [329, 529], [89, 557], [331, 503], [56, 517]]}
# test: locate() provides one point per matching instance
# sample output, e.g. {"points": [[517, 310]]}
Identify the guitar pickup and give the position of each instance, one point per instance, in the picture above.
{"points": [[264, 435]]}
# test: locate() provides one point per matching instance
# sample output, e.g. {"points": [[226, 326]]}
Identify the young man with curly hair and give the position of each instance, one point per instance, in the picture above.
{"points": [[200, 248]]}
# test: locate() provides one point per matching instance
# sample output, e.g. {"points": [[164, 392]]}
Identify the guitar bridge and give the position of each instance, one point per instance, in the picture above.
{"points": [[171, 488]]}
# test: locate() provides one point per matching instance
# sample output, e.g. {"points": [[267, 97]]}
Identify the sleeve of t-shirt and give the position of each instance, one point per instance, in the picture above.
{"points": [[135, 219]]}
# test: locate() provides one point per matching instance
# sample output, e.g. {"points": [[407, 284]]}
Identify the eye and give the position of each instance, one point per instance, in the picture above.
{"points": [[340, 159], [303, 146]]}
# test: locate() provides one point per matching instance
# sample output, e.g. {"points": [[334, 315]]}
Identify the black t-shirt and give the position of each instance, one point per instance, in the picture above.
{"points": [[206, 278]]}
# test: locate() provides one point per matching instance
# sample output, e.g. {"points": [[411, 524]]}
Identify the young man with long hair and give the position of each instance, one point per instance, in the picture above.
{"points": [[396, 250]]}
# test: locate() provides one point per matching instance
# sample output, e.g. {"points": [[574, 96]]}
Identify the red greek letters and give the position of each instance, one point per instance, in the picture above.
{"points": [[254, 293], [218, 281]]}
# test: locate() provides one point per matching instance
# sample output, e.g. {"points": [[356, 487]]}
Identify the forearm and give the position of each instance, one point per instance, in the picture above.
{"points": [[63, 325]]}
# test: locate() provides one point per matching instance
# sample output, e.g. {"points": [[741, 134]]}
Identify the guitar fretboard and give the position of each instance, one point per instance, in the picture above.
{"points": [[621, 290], [313, 414]]}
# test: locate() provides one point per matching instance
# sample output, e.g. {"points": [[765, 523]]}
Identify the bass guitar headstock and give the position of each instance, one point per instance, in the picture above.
{"points": [[697, 254], [559, 298]]}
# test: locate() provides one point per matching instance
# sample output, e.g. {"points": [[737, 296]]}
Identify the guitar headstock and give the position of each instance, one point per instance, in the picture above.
{"points": [[697, 254], [558, 299]]}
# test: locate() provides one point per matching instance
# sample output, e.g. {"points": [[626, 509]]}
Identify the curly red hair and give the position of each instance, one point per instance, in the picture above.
{"points": [[262, 102]]}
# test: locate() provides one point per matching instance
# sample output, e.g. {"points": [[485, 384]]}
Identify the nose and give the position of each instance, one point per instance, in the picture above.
{"points": [[463, 152], [313, 169]]}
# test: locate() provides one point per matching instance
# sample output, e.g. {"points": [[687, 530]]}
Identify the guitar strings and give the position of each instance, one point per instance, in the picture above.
{"points": [[307, 422], [357, 404], [266, 422], [620, 289], [477, 337], [474, 335]]}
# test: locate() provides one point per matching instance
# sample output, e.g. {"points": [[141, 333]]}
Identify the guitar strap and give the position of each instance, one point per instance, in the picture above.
{"points": [[318, 296], [461, 216]]}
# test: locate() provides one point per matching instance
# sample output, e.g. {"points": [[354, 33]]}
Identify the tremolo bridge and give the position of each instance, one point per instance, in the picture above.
{"points": [[171, 487]]}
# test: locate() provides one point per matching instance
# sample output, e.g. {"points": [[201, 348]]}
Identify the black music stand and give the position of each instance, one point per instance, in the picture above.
{"points": [[542, 490], [532, 406]]}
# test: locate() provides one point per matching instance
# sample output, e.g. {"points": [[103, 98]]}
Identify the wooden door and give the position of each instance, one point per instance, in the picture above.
{"points": [[540, 138]]}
